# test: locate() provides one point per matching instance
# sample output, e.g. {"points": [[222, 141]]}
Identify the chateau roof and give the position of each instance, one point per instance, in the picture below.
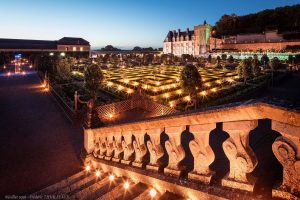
{"points": [[26, 44], [39, 44], [72, 41]]}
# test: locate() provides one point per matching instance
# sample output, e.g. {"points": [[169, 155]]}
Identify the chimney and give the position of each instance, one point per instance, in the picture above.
{"points": [[187, 30], [179, 30]]}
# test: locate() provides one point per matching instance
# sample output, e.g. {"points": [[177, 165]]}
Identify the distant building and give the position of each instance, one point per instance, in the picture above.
{"points": [[199, 42], [194, 42], [74, 46]]}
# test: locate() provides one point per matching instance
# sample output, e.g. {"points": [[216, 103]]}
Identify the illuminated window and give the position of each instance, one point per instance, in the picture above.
{"points": [[74, 48], [81, 48]]}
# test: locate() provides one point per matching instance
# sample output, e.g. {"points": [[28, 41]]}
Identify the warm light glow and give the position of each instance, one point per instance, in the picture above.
{"points": [[153, 192], [187, 98], [120, 87], [98, 173], [230, 80], [157, 83], [167, 95], [87, 168], [23, 73], [109, 84], [155, 90], [111, 177], [9, 74], [126, 185], [219, 81], [126, 81], [129, 91], [179, 91], [207, 84], [135, 84], [110, 116], [4, 67], [177, 79], [145, 86], [172, 104], [214, 89], [203, 93]]}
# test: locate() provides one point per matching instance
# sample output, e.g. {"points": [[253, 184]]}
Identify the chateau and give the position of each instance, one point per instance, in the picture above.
{"points": [[201, 42]]}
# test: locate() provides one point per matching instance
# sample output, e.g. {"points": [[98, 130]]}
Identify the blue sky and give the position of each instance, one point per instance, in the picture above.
{"points": [[122, 23]]}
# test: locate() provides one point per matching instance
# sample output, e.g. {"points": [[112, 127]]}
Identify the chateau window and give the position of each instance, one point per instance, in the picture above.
{"points": [[81, 48], [67, 48], [74, 48]]}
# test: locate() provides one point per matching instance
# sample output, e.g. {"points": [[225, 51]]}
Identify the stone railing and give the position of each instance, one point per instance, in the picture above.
{"points": [[146, 144]]}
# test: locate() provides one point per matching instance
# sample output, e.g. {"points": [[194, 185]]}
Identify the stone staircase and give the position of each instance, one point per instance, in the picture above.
{"points": [[88, 186]]}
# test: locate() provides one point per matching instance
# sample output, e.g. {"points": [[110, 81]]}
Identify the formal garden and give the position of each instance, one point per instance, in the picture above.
{"points": [[181, 83]]}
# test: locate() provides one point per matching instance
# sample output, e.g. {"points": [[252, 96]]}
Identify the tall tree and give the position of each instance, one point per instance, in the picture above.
{"points": [[190, 81], [255, 66], [93, 79], [244, 69]]}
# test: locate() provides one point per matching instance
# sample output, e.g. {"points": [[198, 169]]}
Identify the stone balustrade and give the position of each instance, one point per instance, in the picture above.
{"points": [[129, 144]]}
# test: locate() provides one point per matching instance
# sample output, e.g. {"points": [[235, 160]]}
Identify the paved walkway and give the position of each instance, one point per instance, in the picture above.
{"points": [[38, 145]]}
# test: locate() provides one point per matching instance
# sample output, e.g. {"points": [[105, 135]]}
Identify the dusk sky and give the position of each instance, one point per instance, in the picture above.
{"points": [[122, 23]]}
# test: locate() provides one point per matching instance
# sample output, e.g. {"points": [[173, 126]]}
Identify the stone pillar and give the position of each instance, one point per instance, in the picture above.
{"points": [[109, 146], [202, 153], [117, 144], [155, 149], [287, 150], [241, 157], [175, 150], [127, 147], [88, 140], [139, 148]]}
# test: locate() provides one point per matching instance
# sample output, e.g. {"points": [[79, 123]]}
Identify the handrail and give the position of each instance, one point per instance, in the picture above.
{"points": [[246, 111]]}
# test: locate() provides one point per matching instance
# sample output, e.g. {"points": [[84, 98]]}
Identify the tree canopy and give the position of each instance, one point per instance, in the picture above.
{"points": [[190, 79], [93, 79], [282, 18]]}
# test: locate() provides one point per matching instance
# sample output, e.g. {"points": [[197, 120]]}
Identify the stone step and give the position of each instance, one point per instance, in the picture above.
{"points": [[146, 195], [133, 191], [168, 195], [119, 192], [61, 184], [71, 189], [93, 190]]}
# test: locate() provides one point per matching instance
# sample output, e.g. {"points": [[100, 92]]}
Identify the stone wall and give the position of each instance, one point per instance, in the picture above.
{"points": [[260, 46]]}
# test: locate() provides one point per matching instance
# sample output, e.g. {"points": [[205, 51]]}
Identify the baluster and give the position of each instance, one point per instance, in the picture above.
{"points": [[102, 145], [127, 147], [241, 157], [202, 153], [139, 148], [174, 149], [96, 150], [117, 144], [287, 150], [155, 149], [109, 146]]}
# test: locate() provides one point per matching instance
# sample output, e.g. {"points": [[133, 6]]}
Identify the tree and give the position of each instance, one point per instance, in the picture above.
{"points": [[93, 79], [209, 58], [265, 59], [275, 64], [244, 69], [223, 56], [230, 59], [190, 81], [255, 66], [64, 67]]}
